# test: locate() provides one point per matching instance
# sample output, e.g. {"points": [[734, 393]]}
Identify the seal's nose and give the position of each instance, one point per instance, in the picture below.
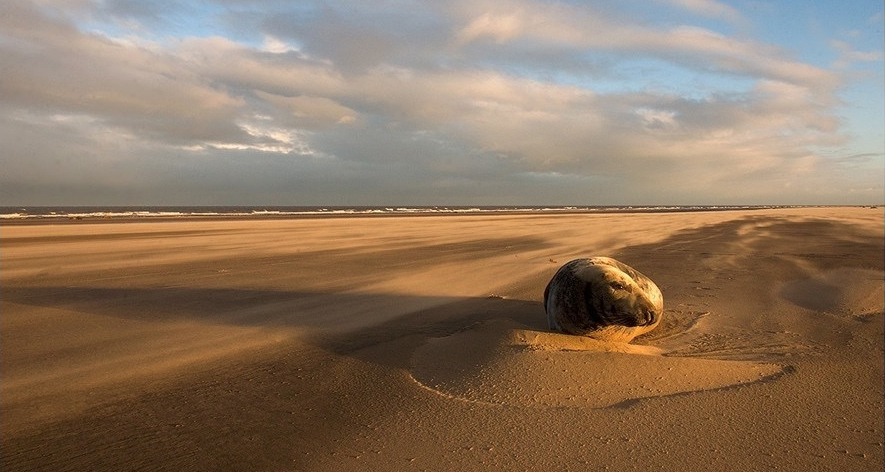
{"points": [[644, 317], [648, 316]]}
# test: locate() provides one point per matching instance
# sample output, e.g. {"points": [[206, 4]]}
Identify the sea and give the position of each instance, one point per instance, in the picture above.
{"points": [[32, 213]]}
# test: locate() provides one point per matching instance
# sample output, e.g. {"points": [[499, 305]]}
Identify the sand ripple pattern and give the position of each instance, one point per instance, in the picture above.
{"points": [[499, 363]]}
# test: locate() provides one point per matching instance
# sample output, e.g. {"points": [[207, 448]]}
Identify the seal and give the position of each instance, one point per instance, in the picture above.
{"points": [[602, 298]]}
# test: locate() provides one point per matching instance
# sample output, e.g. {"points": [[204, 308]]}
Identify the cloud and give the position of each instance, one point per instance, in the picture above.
{"points": [[496, 101], [61, 70], [709, 8], [848, 55], [307, 111]]}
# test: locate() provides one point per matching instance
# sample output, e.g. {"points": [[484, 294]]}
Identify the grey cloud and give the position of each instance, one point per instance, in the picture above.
{"points": [[57, 69], [357, 36]]}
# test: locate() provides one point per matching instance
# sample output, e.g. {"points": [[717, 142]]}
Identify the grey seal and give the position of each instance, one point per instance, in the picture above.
{"points": [[602, 298]]}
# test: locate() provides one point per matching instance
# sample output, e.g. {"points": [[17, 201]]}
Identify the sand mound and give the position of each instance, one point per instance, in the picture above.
{"points": [[500, 363], [844, 291]]}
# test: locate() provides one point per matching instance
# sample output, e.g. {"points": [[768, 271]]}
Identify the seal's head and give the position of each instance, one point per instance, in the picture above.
{"points": [[602, 298]]}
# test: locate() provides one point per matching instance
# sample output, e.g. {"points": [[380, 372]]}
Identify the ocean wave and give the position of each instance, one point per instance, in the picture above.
{"points": [[78, 213]]}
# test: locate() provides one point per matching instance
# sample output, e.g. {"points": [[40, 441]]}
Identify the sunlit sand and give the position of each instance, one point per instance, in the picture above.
{"points": [[420, 343]]}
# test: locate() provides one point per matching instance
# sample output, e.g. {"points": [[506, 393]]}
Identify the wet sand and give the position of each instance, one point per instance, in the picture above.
{"points": [[420, 343]]}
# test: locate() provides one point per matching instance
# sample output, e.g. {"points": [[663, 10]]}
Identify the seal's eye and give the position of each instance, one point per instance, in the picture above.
{"points": [[617, 285]]}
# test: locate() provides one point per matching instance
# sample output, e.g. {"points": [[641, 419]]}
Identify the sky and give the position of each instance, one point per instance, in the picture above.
{"points": [[462, 102]]}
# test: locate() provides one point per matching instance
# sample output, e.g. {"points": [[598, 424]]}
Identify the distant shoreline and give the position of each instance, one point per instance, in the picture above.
{"points": [[94, 214]]}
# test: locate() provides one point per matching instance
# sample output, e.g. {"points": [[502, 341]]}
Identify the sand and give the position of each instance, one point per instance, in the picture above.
{"points": [[420, 343]]}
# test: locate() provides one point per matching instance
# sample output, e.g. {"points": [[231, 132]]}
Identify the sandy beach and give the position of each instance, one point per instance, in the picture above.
{"points": [[420, 343]]}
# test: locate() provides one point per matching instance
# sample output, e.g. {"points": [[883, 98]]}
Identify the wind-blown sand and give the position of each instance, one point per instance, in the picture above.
{"points": [[420, 343]]}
